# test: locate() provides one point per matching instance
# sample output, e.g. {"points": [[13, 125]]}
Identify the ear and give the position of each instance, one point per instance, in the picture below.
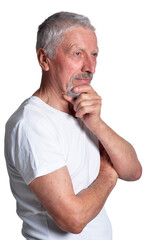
{"points": [[43, 59]]}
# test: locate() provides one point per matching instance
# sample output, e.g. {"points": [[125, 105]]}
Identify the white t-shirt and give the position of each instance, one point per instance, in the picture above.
{"points": [[39, 140]]}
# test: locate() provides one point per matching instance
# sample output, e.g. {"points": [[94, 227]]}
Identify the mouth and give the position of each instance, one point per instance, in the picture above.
{"points": [[81, 81], [78, 80]]}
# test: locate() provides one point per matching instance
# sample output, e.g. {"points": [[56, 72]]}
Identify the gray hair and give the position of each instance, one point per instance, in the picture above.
{"points": [[51, 31]]}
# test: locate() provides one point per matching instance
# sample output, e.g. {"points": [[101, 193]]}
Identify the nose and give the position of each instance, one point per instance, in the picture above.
{"points": [[89, 65]]}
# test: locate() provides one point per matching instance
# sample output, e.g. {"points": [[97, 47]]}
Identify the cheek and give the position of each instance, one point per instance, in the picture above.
{"points": [[72, 69], [66, 70], [65, 74]]}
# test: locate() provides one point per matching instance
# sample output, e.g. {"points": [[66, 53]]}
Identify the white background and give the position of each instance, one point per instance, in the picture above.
{"points": [[127, 78]]}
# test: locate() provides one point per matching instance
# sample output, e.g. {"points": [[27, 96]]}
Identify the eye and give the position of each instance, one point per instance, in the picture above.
{"points": [[95, 54], [77, 53]]}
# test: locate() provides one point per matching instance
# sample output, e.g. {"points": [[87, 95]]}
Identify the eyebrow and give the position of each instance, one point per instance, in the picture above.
{"points": [[76, 47], [96, 50]]}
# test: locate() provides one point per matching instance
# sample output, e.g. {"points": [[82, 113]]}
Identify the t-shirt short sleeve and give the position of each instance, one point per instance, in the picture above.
{"points": [[38, 149]]}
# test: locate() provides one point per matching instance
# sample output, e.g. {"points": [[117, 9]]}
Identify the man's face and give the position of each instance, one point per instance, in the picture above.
{"points": [[75, 60]]}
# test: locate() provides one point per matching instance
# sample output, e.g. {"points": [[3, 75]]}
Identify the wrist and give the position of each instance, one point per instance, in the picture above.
{"points": [[107, 180], [99, 127]]}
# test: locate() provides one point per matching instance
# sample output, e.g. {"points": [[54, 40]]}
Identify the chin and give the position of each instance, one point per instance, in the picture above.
{"points": [[72, 94]]}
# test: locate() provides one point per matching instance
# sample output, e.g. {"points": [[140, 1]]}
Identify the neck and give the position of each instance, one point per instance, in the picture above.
{"points": [[52, 95]]}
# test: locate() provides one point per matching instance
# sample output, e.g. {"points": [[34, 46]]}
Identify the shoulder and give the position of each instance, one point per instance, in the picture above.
{"points": [[28, 117]]}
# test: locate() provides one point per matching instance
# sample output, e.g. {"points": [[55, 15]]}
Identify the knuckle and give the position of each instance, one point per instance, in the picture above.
{"points": [[83, 96], [82, 104]]}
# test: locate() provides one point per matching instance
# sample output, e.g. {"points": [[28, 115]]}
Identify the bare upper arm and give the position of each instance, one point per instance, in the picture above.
{"points": [[55, 192]]}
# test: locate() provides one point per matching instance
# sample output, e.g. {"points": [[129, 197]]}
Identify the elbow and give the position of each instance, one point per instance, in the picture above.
{"points": [[135, 174], [76, 225], [138, 173], [131, 174], [78, 222], [135, 167], [71, 222], [76, 229]]}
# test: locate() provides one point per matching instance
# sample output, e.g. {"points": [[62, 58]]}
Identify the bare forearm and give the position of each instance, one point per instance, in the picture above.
{"points": [[85, 206], [123, 157], [93, 198], [121, 152], [90, 201]]}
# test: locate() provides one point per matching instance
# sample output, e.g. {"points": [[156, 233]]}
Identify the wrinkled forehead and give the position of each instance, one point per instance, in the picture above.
{"points": [[81, 37]]}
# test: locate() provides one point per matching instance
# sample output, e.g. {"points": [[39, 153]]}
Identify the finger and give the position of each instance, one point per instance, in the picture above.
{"points": [[84, 98], [90, 109], [86, 88], [87, 103]]}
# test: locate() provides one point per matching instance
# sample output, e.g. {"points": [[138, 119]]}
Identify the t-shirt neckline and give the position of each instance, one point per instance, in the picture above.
{"points": [[47, 106]]}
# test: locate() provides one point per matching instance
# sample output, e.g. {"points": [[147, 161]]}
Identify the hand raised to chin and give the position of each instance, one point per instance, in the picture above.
{"points": [[87, 106]]}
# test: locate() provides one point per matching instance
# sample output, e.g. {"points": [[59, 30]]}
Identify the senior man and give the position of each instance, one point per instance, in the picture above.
{"points": [[63, 160]]}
